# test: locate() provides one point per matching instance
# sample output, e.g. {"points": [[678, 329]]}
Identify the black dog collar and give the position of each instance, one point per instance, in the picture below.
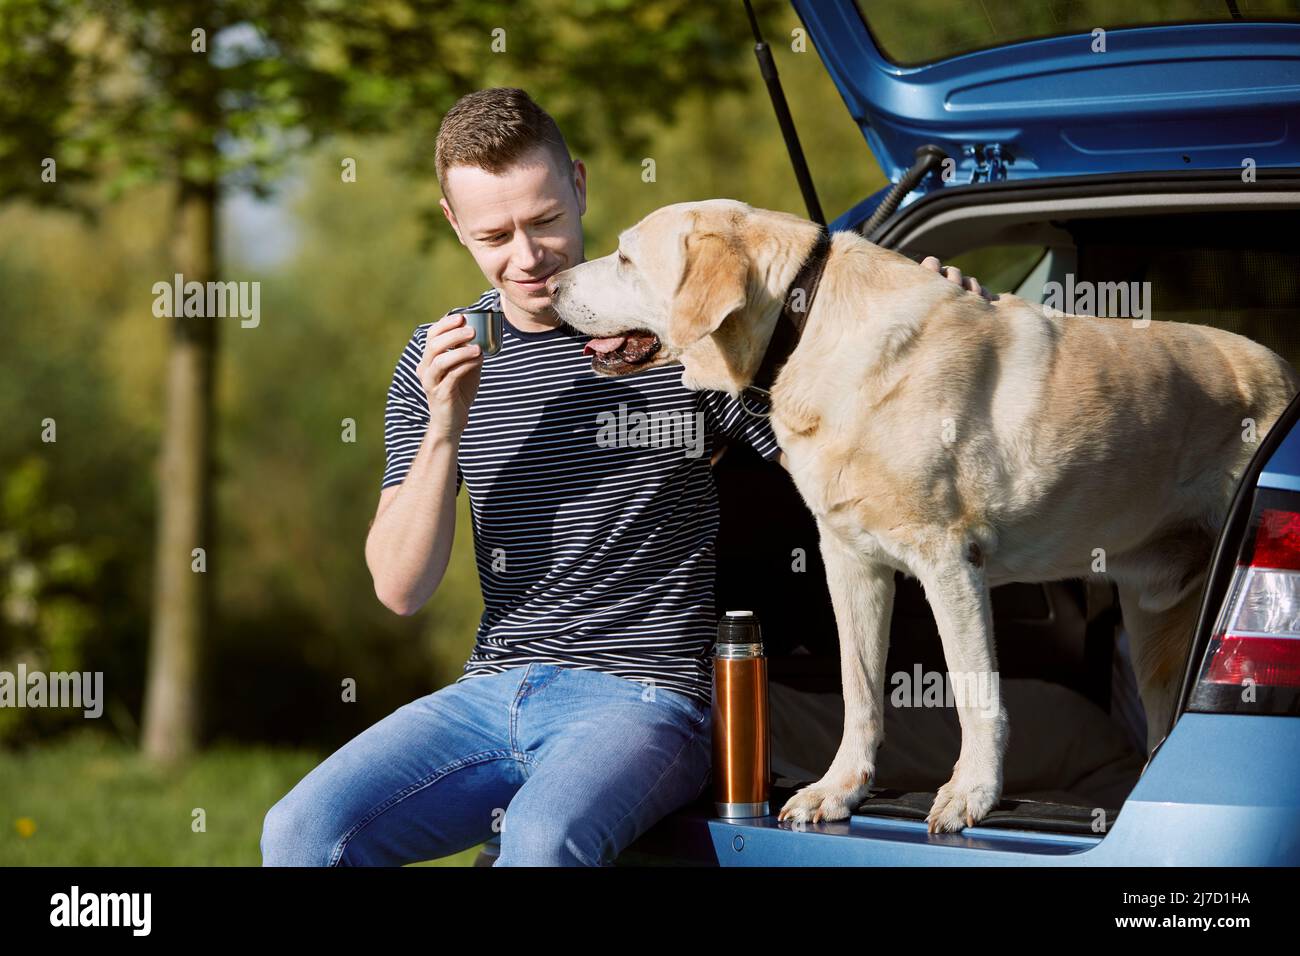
{"points": [[789, 326]]}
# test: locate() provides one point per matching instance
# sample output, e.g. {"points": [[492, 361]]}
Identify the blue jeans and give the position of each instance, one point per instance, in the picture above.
{"points": [[568, 766]]}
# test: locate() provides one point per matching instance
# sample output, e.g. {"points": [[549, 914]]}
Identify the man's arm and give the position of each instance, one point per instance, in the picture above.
{"points": [[728, 416], [409, 543]]}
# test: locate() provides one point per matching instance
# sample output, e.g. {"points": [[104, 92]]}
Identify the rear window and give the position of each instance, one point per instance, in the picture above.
{"points": [[911, 32]]}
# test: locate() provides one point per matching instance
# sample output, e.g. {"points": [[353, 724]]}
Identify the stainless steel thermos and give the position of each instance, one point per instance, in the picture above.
{"points": [[741, 738]]}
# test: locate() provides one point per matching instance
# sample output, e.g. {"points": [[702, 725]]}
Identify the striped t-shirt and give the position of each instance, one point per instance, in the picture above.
{"points": [[593, 504]]}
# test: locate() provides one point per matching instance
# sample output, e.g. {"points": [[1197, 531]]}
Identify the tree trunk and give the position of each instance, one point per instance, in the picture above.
{"points": [[181, 595]]}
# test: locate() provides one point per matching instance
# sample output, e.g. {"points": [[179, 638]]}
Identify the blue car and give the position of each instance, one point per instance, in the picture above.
{"points": [[1041, 150]]}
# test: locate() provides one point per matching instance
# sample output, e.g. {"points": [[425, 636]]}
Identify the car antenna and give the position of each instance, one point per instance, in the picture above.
{"points": [[767, 67]]}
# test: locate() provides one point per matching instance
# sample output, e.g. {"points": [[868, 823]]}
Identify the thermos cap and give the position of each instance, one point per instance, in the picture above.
{"points": [[739, 627]]}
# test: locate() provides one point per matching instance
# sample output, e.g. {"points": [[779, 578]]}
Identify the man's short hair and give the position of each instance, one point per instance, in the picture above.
{"points": [[493, 129]]}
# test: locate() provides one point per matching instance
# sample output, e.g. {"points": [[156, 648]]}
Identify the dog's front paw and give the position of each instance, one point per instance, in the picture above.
{"points": [[830, 798], [962, 803]]}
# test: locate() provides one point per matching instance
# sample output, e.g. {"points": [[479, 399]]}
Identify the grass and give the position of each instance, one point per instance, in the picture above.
{"points": [[91, 800]]}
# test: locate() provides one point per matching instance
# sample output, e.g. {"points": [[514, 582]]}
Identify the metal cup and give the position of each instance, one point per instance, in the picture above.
{"points": [[488, 326]]}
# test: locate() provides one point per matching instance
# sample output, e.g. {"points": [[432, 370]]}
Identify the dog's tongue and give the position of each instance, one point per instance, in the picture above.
{"points": [[603, 345]]}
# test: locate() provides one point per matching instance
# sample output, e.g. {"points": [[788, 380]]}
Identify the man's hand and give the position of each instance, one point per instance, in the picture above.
{"points": [[953, 275], [450, 370]]}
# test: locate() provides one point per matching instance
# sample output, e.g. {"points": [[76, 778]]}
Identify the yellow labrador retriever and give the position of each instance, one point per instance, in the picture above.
{"points": [[964, 442]]}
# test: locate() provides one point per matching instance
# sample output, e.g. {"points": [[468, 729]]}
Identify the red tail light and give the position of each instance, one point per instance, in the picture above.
{"points": [[1265, 660], [1252, 664], [1277, 541]]}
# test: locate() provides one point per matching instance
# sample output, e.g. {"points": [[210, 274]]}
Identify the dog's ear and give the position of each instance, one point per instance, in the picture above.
{"points": [[712, 286]]}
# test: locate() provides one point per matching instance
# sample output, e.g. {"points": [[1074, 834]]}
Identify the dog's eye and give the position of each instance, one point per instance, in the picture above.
{"points": [[622, 259]]}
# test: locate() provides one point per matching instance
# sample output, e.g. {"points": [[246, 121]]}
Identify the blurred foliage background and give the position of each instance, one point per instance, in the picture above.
{"points": [[347, 270]]}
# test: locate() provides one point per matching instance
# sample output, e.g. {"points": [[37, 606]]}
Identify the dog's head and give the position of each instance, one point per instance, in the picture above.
{"points": [[697, 283]]}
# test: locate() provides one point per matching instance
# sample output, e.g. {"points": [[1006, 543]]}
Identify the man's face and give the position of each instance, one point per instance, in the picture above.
{"points": [[522, 226]]}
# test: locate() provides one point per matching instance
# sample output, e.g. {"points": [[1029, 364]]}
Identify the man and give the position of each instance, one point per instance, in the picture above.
{"points": [[584, 707]]}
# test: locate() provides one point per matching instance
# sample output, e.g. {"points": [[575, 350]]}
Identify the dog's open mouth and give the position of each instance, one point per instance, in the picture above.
{"points": [[622, 353]]}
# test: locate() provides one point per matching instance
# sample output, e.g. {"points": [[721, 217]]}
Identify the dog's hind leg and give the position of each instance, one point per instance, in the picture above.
{"points": [[862, 594], [1160, 642], [958, 595], [1160, 586]]}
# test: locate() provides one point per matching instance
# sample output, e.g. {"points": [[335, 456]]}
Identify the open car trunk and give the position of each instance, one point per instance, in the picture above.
{"points": [[1215, 251]]}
